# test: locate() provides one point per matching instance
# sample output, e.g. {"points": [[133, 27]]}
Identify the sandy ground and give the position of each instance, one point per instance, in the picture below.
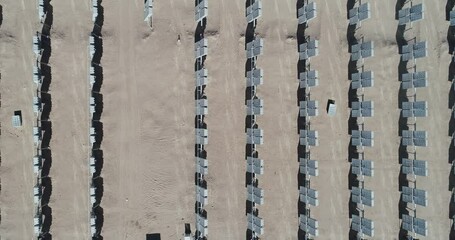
{"points": [[70, 120], [148, 119], [17, 178]]}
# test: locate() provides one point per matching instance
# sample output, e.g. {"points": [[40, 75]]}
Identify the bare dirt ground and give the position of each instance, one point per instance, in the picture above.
{"points": [[70, 120], [17, 149], [148, 119]]}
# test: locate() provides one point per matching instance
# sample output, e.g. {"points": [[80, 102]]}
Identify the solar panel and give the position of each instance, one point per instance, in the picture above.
{"points": [[362, 109], [415, 167], [94, 10], [309, 138], [362, 50], [41, 12], [37, 224], [308, 108], [362, 138], [452, 18], [36, 45], [255, 107], [255, 165], [201, 10], [309, 196], [414, 109], [309, 79], [414, 51], [415, 225], [414, 195], [36, 133], [307, 12], [201, 48], [201, 136], [362, 167], [308, 225], [202, 166], [414, 80], [360, 13], [255, 194], [308, 49], [412, 14], [202, 225], [414, 138], [254, 136], [254, 48], [255, 224], [36, 164], [202, 107], [37, 76], [37, 106], [92, 165], [254, 11], [254, 77], [309, 167], [201, 77], [362, 196], [362, 225], [356, 84], [148, 10], [201, 195]]}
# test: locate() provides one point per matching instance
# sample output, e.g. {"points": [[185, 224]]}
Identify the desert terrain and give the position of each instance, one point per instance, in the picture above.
{"points": [[148, 119]]}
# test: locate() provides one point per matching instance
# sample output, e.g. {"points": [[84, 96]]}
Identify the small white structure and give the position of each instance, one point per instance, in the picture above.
{"points": [[332, 108], [16, 121]]}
